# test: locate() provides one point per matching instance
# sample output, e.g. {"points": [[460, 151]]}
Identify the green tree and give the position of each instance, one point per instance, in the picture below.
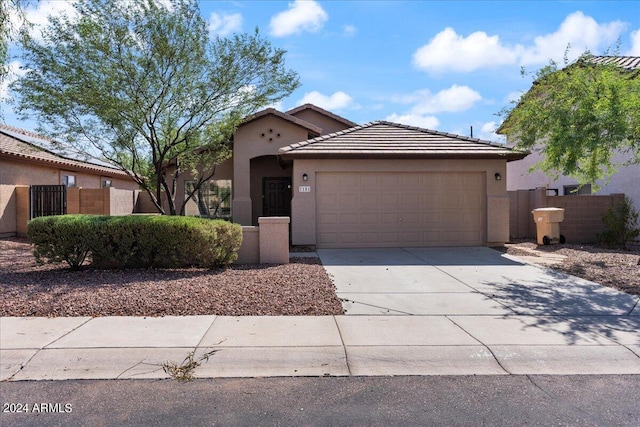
{"points": [[144, 85], [11, 16], [579, 116]]}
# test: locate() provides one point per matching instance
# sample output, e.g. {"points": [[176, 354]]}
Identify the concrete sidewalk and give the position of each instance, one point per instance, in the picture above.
{"points": [[136, 347]]}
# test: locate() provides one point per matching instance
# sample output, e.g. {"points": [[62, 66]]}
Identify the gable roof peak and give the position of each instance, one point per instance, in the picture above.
{"points": [[313, 129], [322, 111]]}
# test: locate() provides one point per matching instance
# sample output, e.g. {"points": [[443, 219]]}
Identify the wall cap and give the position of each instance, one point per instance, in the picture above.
{"points": [[274, 220]]}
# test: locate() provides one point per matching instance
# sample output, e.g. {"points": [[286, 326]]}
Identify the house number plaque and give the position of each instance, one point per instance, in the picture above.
{"points": [[304, 189]]}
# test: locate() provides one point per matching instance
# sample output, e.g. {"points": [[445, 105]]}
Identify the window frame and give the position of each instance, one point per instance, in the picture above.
{"points": [[65, 182], [211, 198], [577, 190]]}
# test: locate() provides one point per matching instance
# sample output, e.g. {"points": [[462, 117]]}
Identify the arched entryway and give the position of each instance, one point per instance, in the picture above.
{"points": [[270, 187]]}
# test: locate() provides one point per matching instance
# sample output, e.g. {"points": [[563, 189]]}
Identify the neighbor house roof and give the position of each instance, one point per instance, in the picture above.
{"points": [[313, 129], [383, 139], [25, 145], [334, 116], [629, 63]]}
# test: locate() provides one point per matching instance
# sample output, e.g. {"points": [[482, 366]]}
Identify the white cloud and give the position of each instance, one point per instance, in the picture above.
{"points": [[454, 99], [224, 24], [302, 15], [635, 44], [449, 51], [337, 101], [349, 30], [39, 15], [488, 132], [488, 127], [426, 122], [513, 97], [578, 31], [13, 73]]}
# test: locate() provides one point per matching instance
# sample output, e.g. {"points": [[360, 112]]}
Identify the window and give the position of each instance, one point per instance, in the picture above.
{"points": [[68, 180], [213, 198], [106, 183], [574, 190]]}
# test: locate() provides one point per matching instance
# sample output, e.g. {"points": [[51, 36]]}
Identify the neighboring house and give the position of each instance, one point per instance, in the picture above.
{"points": [[378, 185], [625, 180], [24, 162]]}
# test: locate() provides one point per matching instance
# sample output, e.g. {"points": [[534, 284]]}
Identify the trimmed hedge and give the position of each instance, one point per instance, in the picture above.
{"points": [[137, 241]]}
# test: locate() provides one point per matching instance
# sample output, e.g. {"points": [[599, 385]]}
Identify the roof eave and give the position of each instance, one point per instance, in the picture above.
{"points": [[402, 156], [64, 165]]}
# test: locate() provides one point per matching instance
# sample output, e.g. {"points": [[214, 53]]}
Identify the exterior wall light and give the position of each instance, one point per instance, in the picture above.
{"points": [[305, 177], [498, 176]]}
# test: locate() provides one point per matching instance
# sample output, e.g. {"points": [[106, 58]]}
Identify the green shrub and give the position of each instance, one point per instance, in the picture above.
{"points": [[65, 238], [141, 241], [621, 224]]}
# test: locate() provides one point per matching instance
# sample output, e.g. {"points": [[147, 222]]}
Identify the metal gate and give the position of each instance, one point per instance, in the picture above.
{"points": [[47, 200]]}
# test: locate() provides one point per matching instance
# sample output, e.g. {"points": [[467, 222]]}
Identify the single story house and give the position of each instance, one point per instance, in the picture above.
{"points": [[25, 162], [625, 180], [381, 184]]}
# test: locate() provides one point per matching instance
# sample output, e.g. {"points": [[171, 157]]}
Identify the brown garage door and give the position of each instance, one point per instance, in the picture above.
{"points": [[356, 210]]}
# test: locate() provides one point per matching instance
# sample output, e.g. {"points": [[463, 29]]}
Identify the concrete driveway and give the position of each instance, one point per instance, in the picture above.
{"points": [[463, 281], [417, 301]]}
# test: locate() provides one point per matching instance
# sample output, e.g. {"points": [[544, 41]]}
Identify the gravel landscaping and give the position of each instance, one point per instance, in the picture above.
{"points": [[28, 289], [618, 269], [299, 288]]}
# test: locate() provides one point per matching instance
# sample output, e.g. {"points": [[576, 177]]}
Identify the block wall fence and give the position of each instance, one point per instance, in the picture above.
{"points": [[582, 217]]}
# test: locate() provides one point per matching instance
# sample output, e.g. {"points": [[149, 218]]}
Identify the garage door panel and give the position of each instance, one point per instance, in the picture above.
{"points": [[389, 218], [370, 237], [390, 237], [367, 200], [369, 218], [328, 219], [347, 181], [400, 209], [411, 219]]}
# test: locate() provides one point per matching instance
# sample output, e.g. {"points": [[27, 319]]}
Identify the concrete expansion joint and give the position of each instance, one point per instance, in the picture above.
{"points": [[481, 343], [344, 347], [68, 333]]}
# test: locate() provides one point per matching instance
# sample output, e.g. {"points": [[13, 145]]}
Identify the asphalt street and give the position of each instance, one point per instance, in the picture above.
{"points": [[516, 400]]}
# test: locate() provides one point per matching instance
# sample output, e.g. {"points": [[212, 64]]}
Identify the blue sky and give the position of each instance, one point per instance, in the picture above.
{"points": [[444, 65]]}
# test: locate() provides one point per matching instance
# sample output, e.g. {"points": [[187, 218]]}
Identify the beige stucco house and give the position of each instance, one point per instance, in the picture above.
{"points": [[381, 184], [24, 163]]}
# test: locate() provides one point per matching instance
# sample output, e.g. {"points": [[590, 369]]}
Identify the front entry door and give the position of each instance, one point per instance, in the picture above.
{"points": [[276, 193]]}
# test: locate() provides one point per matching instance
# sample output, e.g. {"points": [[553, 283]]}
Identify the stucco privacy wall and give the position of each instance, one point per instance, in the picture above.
{"points": [[14, 205], [267, 243], [304, 207], [261, 137], [7, 210], [582, 217]]}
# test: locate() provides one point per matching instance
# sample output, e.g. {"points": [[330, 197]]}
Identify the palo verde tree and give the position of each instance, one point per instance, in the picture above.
{"points": [[579, 117], [144, 85]]}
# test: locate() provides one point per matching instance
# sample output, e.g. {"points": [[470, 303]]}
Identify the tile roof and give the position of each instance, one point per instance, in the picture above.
{"points": [[629, 63], [20, 143], [321, 111], [382, 139], [272, 111]]}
